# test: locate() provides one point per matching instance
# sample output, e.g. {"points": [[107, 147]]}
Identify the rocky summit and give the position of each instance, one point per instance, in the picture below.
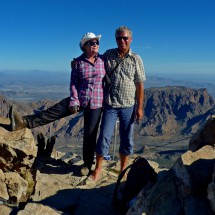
{"points": [[34, 184]]}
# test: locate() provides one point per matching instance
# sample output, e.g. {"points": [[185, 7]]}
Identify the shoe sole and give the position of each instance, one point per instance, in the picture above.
{"points": [[12, 120]]}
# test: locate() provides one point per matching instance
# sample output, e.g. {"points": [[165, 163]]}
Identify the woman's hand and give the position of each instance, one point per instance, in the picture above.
{"points": [[74, 109]]}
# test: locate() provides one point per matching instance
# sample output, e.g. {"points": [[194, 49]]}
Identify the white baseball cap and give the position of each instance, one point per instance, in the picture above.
{"points": [[88, 36]]}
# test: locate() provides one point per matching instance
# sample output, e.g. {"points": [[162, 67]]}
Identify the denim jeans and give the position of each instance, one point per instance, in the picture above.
{"points": [[126, 129]]}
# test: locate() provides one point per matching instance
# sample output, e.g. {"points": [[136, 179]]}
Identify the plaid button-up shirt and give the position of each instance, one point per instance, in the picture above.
{"points": [[130, 71], [86, 82]]}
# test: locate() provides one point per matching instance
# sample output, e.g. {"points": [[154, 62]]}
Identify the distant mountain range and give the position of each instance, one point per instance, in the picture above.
{"points": [[37, 85]]}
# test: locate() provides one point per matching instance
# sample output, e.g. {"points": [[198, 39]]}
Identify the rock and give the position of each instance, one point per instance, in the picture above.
{"points": [[6, 210], [194, 169], [211, 192], [205, 136], [3, 188], [38, 209], [17, 149], [4, 121], [159, 199], [187, 188], [17, 156], [17, 187], [193, 173]]}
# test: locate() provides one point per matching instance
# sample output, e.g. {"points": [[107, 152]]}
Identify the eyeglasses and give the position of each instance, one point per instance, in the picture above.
{"points": [[120, 38], [91, 43]]}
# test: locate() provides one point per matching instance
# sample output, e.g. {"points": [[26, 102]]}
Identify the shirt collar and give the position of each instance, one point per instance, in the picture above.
{"points": [[128, 53]]}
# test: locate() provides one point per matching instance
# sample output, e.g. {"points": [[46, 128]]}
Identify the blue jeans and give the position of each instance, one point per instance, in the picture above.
{"points": [[126, 129]]}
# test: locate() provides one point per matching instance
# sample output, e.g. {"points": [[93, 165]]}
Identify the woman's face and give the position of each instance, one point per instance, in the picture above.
{"points": [[91, 46]]}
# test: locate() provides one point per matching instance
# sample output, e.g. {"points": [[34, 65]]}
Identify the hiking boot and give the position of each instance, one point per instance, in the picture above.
{"points": [[17, 122]]}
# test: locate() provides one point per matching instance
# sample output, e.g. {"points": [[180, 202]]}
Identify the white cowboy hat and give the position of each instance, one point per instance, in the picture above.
{"points": [[88, 36]]}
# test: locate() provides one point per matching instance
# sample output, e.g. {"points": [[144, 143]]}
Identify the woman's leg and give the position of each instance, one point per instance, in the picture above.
{"points": [[91, 125]]}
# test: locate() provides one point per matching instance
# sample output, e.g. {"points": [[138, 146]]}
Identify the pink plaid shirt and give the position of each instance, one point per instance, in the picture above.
{"points": [[86, 83]]}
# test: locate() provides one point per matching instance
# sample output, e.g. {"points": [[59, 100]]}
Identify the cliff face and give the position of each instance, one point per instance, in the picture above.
{"points": [[174, 110]]}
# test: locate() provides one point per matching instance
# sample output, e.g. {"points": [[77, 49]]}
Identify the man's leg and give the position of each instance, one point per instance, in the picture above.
{"points": [[126, 118], [91, 125], [109, 118], [53, 113], [98, 169], [123, 161]]}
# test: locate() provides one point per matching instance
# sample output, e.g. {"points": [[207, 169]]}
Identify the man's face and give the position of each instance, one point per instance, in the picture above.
{"points": [[123, 41]]}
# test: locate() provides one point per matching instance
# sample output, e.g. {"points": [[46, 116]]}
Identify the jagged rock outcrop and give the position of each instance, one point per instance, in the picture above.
{"points": [[17, 154], [205, 136], [188, 187]]}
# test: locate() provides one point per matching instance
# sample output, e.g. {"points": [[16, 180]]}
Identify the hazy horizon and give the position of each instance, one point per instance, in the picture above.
{"points": [[170, 36], [38, 85]]}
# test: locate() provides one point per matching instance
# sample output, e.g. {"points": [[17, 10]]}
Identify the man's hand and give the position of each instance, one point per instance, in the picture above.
{"points": [[139, 114], [74, 109]]}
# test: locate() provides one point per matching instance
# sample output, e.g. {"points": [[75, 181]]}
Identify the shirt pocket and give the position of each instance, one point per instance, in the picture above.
{"points": [[127, 70]]}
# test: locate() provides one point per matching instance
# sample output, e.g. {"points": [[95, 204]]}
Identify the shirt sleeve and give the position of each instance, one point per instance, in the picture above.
{"points": [[140, 71], [74, 101]]}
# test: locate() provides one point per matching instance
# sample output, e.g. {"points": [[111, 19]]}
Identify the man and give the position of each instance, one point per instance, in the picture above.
{"points": [[123, 99]]}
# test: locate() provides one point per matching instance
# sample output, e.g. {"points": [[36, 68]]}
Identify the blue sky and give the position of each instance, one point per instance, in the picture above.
{"points": [[172, 36]]}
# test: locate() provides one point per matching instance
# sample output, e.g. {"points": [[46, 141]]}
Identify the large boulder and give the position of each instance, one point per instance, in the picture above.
{"points": [[17, 155], [211, 191], [188, 187]]}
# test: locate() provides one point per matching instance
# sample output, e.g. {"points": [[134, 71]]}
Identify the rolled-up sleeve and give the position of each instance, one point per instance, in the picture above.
{"points": [[140, 71]]}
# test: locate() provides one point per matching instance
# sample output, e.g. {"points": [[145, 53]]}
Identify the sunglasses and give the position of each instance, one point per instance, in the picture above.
{"points": [[91, 43], [122, 38]]}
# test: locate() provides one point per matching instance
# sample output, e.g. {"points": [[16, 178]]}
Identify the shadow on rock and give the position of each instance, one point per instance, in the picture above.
{"points": [[82, 201]]}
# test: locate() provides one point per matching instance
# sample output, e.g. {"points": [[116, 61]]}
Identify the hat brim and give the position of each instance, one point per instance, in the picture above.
{"points": [[83, 41]]}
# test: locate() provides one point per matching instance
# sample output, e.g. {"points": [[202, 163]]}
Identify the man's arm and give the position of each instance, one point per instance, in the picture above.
{"points": [[140, 99]]}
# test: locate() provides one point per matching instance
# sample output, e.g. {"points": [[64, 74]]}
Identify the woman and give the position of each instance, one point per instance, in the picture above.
{"points": [[86, 93]]}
